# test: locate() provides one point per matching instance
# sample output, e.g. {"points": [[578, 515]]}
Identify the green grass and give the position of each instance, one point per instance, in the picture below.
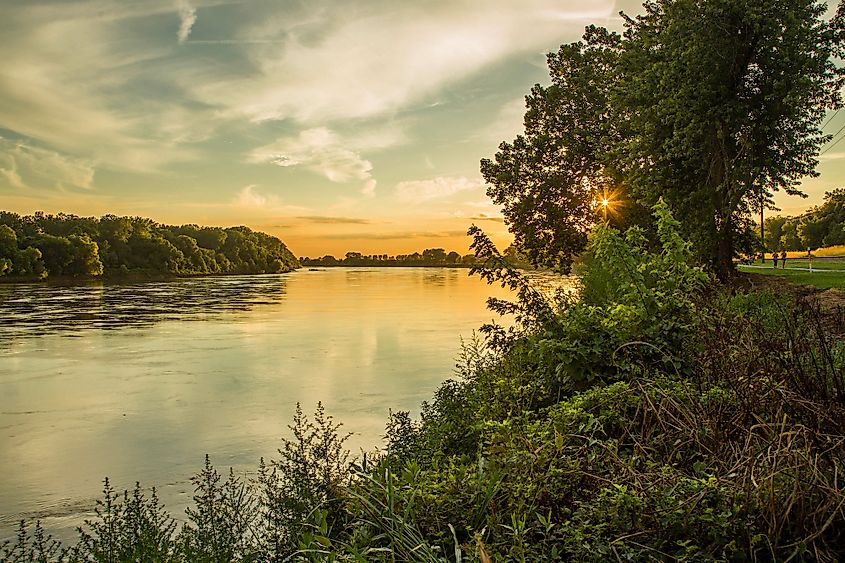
{"points": [[833, 274]]}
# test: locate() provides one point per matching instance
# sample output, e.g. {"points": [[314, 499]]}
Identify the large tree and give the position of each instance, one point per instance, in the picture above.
{"points": [[726, 98], [547, 179], [712, 104]]}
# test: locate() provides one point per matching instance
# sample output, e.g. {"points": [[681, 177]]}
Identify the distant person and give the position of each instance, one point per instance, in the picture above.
{"points": [[775, 259], [783, 259]]}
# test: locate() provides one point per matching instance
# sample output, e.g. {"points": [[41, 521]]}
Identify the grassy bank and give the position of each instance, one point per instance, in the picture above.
{"points": [[659, 416], [823, 276]]}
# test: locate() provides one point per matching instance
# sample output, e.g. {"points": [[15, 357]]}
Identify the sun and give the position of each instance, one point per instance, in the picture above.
{"points": [[607, 202]]}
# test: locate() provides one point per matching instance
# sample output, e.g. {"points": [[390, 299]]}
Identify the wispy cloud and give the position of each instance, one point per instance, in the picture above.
{"points": [[127, 97], [249, 197], [507, 124], [326, 153], [328, 220], [418, 191], [187, 19], [254, 201], [486, 217], [24, 166], [9, 171], [352, 61], [832, 156], [402, 235], [319, 150], [94, 99]]}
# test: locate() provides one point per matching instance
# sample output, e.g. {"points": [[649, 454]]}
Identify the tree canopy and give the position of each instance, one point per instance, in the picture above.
{"points": [[711, 104], [547, 179], [42, 245], [823, 225]]}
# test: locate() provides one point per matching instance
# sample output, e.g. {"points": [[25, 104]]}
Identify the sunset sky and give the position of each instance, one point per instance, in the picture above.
{"points": [[335, 125]]}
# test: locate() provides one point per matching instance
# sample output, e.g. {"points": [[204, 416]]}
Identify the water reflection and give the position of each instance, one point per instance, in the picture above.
{"points": [[159, 374], [35, 309]]}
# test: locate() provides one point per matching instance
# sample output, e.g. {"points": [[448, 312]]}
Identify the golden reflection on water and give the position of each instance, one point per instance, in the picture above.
{"points": [[138, 382]]}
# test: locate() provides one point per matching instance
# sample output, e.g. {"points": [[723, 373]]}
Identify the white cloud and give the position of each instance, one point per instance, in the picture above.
{"points": [[25, 166], [11, 173], [254, 202], [248, 197], [508, 123], [418, 191], [328, 154], [480, 216], [369, 189], [831, 156], [357, 62], [127, 99], [187, 19], [90, 99]]}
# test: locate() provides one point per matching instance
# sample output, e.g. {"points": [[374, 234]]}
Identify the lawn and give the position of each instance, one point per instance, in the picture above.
{"points": [[825, 274]]}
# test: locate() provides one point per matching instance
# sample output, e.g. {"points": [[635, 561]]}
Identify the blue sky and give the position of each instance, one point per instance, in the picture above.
{"points": [[337, 126]]}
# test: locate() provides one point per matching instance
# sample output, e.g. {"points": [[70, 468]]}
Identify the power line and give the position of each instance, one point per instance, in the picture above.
{"points": [[835, 142], [829, 119], [833, 145], [838, 132]]}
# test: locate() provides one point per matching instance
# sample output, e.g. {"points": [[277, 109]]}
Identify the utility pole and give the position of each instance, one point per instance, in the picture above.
{"points": [[762, 233]]}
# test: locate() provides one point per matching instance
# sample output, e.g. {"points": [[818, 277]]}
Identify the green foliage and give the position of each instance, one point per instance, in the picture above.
{"points": [[656, 416], [385, 529], [427, 258], [223, 521], [134, 528], [31, 547], [731, 451], [295, 508], [86, 256], [40, 245], [712, 105], [721, 120], [547, 179], [638, 307], [821, 226], [636, 423], [309, 476]]}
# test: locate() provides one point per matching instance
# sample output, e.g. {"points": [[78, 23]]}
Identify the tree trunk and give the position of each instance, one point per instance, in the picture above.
{"points": [[724, 265]]}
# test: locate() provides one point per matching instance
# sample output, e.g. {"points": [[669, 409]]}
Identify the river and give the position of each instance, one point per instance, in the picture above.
{"points": [[138, 382]]}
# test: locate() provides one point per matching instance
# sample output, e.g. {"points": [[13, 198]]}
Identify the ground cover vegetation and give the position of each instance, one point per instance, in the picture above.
{"points": [[654, 416], [40, 246]]}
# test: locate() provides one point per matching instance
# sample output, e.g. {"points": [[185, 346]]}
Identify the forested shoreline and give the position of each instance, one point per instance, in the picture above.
{"points": [[43, 246], [428, 258], [670, 410], [658, 412]]}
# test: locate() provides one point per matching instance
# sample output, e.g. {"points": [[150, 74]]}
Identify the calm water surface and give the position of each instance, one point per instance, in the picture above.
{"points": [[139, 381]]}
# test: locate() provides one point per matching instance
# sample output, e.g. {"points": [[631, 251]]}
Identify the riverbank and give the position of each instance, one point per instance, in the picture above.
{"points": [[208, 365], [660, 414]]}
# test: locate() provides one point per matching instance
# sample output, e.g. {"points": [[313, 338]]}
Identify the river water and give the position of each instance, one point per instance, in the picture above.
{"points": [[138, 382]]}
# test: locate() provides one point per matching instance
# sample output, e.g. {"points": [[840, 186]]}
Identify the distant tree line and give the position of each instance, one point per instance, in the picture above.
{"points": [[42, 245], [430, 257], [823, 225]]}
